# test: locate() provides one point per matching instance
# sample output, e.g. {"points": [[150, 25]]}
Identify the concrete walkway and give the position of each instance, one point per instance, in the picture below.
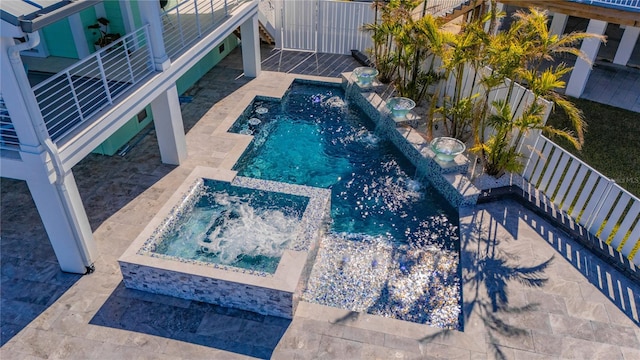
{"points": [[529, 292]]}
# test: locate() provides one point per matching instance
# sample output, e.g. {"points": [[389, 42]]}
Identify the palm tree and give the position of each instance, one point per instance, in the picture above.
{"points": [[521, 54]]}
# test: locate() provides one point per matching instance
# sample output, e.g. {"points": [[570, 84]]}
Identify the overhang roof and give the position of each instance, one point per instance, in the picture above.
{"points": [[32, 15]]}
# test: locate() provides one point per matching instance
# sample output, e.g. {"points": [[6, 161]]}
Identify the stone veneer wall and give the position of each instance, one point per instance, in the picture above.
{"points": [[449, 179], [215, 291]]}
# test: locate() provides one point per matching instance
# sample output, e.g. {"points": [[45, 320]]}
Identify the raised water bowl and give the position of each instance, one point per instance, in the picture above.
{"points": [[365, 75], [400, 107], [447, 148]]}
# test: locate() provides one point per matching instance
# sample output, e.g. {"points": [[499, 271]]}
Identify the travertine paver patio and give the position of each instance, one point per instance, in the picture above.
{"points": [[528, 290]]}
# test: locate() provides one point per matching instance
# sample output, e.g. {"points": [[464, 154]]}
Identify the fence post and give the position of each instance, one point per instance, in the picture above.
{"points": [[599, 204], [103, 75], [126, 53], [195, 5]]}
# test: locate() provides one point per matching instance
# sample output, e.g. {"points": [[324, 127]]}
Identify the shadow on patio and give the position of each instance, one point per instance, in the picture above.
{"points": [[237, 331]]}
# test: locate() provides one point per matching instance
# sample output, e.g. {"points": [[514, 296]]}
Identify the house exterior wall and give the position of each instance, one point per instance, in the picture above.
{"points": [[207, 63], [59, 39]]}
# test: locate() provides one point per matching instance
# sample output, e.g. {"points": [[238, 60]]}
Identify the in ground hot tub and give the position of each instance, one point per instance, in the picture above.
{"points": [[233, 241]]}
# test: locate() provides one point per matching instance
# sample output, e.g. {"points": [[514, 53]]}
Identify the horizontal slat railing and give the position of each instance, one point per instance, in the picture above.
{"points": [[596, 202], [8, 136], [440, 8], [633, 5], [70, 98], [190, 20]]}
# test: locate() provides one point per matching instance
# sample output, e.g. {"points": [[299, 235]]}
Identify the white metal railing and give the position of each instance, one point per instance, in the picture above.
{"points": [[596, 202], [190, 20], [8, 136], [71, 97], [633, 5], [439, 8]]}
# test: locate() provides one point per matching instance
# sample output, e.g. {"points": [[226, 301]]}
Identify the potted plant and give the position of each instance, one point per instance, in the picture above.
{"points": [[101, 28]]}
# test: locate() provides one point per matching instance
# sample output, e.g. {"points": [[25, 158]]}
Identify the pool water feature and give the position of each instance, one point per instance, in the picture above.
{"points": [[393, 248], [235, 226]]}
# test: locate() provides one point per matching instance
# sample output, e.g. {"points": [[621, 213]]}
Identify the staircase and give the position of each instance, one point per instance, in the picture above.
{"points": [[265, 37], [464, 8]]}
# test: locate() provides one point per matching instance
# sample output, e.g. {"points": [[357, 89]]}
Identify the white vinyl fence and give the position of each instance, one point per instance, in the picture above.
{"points": [[329, 26], [324, 26], [596, 202]]}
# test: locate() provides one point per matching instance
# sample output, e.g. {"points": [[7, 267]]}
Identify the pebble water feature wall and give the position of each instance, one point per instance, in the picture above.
{"points": [[268, 294]]}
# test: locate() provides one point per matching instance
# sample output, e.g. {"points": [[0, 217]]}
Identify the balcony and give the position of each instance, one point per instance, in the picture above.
{"points": [[190, 20], [71, 98], [621, 12], [82, 104]]}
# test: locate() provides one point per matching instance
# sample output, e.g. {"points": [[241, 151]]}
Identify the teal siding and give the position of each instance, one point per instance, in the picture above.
{"points": [[123, 135], [114, 15], [59, 39], [207, 63], [88, 17], [135, 12]]}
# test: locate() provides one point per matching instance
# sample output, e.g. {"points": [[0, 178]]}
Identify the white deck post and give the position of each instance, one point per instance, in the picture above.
{"points": [[58, 202], [169, 128], [150, 13], [558, 23], [582, 70], [79, 37], [250, 47], [627, 44], [64, 219]]}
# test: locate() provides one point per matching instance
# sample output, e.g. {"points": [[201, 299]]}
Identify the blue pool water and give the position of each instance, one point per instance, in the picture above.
{"points": [[235, 226], [392, 248]]}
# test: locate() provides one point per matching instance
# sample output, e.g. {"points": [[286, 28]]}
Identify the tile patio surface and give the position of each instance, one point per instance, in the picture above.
{"points": [[529, 291]]}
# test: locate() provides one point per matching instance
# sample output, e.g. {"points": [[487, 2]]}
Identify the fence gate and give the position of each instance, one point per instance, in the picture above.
{"points": [[297, 24], [325, 26]]}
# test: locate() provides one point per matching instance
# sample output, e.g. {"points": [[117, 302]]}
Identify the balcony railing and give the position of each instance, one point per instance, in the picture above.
{"points": [[8, 137], [191, 20], [70, 98], [632, 5]]}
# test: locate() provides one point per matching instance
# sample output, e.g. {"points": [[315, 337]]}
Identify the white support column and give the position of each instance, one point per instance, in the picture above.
{"points": [[127, 16], [582, 70], [150, 13], [169, 127], [54, 193], [558, 23], [64, 219], [79, 35], [17, 105], [627, 44], [250, 47]]}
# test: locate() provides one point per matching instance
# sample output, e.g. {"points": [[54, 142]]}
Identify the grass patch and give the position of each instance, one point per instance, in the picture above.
{"points": [[611, 141]]}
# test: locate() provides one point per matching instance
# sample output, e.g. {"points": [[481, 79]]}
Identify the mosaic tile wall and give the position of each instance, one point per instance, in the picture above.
{"points": [[215, 291]]}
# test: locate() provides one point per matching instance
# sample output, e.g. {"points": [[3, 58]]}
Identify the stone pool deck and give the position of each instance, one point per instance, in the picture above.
{"points": [[529, 291]]}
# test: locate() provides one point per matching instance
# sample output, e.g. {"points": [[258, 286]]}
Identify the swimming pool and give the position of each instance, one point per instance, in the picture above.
{"points": [[393, 247]]}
